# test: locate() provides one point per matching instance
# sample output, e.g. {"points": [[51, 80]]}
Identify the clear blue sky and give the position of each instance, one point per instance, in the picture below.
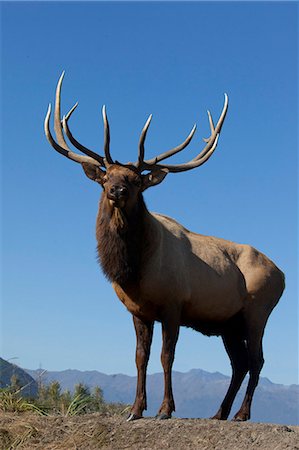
{"points": [[174, 60]]}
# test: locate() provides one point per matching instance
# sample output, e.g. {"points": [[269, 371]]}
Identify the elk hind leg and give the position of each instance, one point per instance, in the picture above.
{"points": [[237, 352], [144, 334], [256, 362]]}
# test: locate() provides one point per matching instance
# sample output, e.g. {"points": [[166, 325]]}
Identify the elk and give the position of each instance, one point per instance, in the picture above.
{"points": [[163, 272]]}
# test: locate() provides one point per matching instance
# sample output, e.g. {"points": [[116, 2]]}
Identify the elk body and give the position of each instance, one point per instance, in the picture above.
{"points": [[163, 272]]}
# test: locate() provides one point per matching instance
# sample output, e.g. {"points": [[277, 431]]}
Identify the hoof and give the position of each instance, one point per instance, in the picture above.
{"points": [[163, 416], [239, 419], [133, 416]]}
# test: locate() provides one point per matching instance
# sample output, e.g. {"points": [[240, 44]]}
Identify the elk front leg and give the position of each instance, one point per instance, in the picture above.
{"points": [[144, 334], [170, 333]]}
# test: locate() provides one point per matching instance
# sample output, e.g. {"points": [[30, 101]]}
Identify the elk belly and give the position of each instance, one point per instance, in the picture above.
{"points": [[215, 297]]}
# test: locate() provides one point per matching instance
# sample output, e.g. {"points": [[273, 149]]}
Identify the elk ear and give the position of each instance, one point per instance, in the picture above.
{"points": [[153, 178], [93, 172]]}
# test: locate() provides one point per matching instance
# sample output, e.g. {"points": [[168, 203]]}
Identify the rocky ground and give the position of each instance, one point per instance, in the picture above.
{"points": [[96, 431]]}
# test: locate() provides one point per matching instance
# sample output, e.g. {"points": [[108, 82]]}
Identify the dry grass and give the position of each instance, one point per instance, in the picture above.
{"points": [[99, 431]]}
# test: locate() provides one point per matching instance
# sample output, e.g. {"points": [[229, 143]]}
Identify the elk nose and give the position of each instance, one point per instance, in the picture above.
{"points": [[123, 191], [119, 191]]}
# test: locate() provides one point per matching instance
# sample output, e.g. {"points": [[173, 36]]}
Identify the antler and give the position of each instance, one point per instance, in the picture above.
{"points": [[61, 145], [75, 142], [200, 159], [141, 142], [141, 164]]}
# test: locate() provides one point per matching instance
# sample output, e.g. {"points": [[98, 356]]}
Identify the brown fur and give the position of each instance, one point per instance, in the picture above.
{"points": [[163, 272], [119, 236]]}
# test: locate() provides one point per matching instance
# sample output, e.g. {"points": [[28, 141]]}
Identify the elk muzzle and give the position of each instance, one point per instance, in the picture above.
{"points": [[118, 195]]}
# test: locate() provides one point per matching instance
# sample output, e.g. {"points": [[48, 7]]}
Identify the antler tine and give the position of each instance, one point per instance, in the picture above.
{"points": [[211, 126], [77, 144], [214, 130], [205, 154], [174, 150], [191, 164], [57, 121], [106, 137], [61, 146], [211, 122], [64, 150], [141, 151]]}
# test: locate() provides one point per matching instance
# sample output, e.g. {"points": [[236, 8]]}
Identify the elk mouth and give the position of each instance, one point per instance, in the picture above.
{"points": [[117, 202], [120, 203]]}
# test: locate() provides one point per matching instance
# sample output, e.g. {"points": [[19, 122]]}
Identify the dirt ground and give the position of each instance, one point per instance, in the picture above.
{"points": [[96, 431]]}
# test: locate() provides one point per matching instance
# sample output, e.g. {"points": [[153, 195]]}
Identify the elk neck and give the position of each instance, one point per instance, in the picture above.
{"points": [[121, 240]]}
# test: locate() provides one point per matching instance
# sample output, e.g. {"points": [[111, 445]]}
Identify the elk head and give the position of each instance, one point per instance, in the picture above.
{"points": [[122, 183]]}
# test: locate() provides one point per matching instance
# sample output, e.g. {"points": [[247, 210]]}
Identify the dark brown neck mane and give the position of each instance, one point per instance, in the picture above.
{"points": [[119, 235]]}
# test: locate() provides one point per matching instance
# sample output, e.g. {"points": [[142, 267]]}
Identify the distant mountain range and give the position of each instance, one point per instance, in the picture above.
{"points": [[24, 380], [197, 393]]}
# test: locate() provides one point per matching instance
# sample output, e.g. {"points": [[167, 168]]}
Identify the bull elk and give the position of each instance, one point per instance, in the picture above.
{"points": [[163, 272]]}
